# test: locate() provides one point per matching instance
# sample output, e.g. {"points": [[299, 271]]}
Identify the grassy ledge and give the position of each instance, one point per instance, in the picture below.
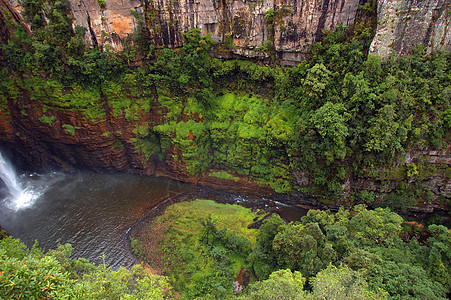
{"points": [[202, 245]]}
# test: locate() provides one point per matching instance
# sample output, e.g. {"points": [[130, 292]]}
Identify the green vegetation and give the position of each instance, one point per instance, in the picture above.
{"points": [[47, 119], [339, 116], [224, 175], [343, 255], [203, 245], [32, 274], [331, 283], [69, 129], [101, 3], [137, 247]]}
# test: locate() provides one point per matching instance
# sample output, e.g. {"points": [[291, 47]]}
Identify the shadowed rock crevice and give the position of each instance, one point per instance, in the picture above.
{"points": [[321, 20]]}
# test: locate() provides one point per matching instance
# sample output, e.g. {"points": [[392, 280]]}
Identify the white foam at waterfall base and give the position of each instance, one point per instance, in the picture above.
{"points": [[21, 194], [23, 199]]}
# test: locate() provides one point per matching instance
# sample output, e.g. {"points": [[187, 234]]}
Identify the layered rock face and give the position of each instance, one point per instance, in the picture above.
{"points": [[432, 177], [89, 146], [290, 26], [402, 25], [108, 24], [106, 144], [287, 26]]}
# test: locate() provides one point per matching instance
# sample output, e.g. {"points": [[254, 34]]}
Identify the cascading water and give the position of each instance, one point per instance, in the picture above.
{"points": [[21, 195]]}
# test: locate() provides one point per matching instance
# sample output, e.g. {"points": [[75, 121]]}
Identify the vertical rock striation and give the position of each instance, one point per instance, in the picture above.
{"points": [[108, 24], [402, 25], [293, 27], [302, 23], [92, 144], [288, 27]]}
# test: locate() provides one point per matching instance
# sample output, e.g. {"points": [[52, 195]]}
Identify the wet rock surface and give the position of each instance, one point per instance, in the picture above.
{"points": [[293, 27]]}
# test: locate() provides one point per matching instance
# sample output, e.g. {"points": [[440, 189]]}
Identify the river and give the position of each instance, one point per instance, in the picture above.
{"points": [[94, 211], [90, 211]]}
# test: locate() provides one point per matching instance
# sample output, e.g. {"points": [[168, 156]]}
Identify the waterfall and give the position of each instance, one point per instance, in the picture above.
{"points": [[19, 196]]}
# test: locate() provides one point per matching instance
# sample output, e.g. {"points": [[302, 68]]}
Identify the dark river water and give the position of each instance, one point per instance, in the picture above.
{"points": [[93, 212], [90, 211]]}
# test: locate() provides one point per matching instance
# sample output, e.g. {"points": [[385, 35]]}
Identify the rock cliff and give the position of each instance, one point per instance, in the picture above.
{"points": [[108, 24], [108, 144], [105, 144], [88, 145], [287, 27], [402, 25]]}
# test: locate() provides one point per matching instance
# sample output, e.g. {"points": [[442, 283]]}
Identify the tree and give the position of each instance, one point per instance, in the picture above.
{"points": [[378, 226], [32, 274], [403, 281], [341, 284], [263, 258], [439, 258], [137, 283], [325, 218], [330, 122], [282, 284], [383, 134], [315, 84], [304, 248]]}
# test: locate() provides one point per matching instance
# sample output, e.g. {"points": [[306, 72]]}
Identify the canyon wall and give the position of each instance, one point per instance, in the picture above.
{"points": [[287, 27], [109, 144], [402, 25], [42, 145], [290, 26]]}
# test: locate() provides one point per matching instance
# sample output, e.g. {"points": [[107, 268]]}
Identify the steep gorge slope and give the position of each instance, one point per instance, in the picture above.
{"points": [[289, 27], [339, 127]]}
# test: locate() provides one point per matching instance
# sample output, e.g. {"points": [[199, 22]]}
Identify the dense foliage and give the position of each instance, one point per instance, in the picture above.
{"points": [[365, 246], [363, 254], [312, 127], [205, 246], [201, 244], [32, 274], [340, 115]]}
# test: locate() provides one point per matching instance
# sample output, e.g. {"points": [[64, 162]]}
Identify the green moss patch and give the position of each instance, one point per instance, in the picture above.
{"points": [[224, 175]]}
